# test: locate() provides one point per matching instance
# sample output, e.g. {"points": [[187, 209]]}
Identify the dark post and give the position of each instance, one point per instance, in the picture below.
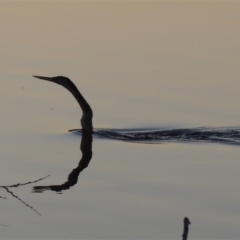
{"points": [[186, 222]]}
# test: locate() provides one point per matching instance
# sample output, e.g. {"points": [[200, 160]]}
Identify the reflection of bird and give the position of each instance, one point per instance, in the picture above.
{"points": [[86, 149], [86, 120], [186, 222]]}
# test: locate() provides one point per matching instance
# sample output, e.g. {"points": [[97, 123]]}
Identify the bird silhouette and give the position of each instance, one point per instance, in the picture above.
{"points": [[203, 134], [86, 119]]}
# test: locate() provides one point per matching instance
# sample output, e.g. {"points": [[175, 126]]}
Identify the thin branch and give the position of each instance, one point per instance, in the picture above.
{"points": [[15, 196], [22, 184]]}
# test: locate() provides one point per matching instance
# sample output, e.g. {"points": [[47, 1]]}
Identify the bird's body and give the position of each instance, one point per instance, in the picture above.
{"points": [[86, 119]]}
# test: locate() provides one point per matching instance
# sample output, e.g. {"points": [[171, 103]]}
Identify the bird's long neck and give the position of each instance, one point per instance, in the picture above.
{"points": [[86, 120], [86, 109]]}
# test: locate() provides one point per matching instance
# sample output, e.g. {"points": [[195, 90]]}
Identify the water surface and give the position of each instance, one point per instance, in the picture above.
{"points": [[141, 66]]}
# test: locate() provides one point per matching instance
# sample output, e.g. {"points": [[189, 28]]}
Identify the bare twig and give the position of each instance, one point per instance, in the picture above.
{"points": [[15, 196], [19, 199], [22, 184]]}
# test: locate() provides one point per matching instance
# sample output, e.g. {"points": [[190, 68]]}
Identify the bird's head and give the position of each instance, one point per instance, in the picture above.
{"points": [[59, 79], [63, 81]]}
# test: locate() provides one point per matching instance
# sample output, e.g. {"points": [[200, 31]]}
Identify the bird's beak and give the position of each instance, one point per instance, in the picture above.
{"points": [[45, 78]]}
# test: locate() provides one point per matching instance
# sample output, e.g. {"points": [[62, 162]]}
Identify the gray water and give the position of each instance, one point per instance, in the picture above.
{"points": [[140, 65]]}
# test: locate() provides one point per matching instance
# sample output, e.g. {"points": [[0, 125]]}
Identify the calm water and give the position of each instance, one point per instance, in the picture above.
{"points": [[140, 65]]}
